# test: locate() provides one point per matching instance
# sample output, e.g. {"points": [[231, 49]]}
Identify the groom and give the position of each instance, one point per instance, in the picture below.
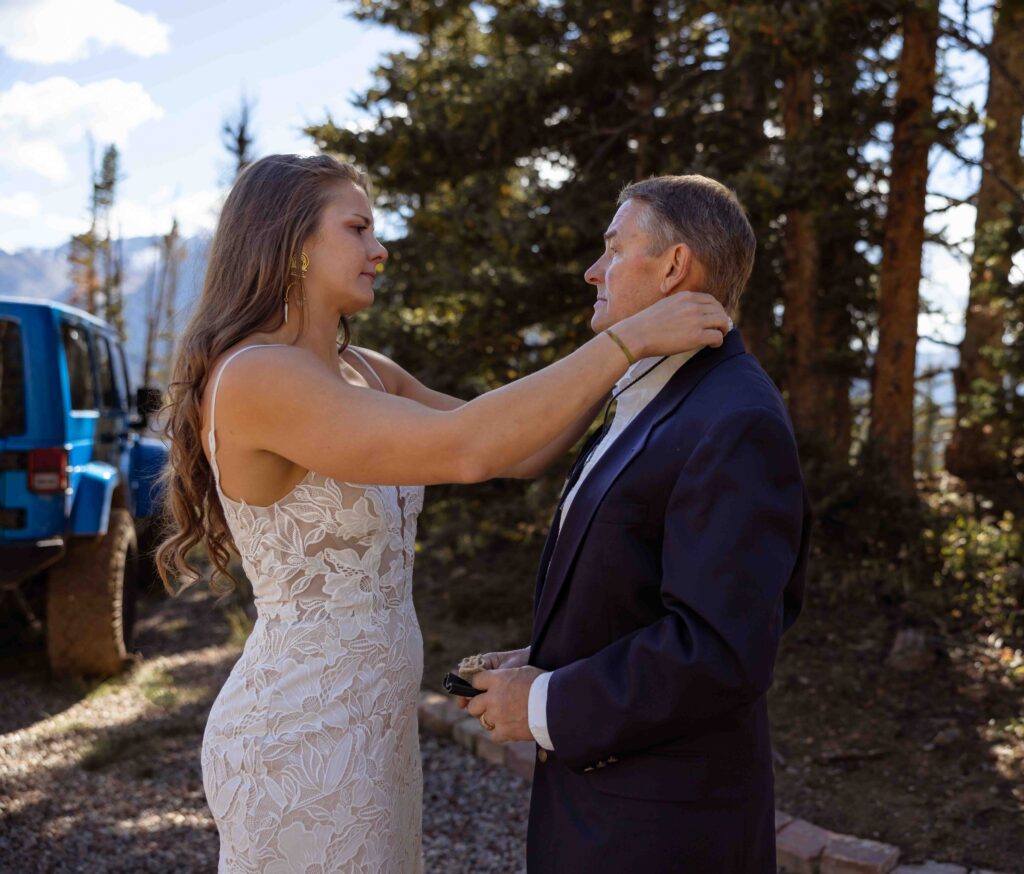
{"points": [[675, 561]]}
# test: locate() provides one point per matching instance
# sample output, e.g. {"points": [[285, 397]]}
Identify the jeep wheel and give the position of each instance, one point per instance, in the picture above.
{"points": [[90, 602]]}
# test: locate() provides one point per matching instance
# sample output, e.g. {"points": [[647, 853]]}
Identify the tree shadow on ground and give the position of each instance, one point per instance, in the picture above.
{"points": [[930, 760], [124, 796]]}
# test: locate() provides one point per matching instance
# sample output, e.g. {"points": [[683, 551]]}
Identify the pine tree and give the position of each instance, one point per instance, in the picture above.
{"points": [[982, 439], [237, 136], [161, 309], [95, 256]]}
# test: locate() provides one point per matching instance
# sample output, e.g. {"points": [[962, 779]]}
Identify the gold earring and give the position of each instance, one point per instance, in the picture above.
{"points": [[298, 270]]}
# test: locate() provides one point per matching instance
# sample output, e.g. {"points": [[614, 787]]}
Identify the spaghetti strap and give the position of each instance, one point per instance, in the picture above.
{"points": [[369, 367], [213, 405]]}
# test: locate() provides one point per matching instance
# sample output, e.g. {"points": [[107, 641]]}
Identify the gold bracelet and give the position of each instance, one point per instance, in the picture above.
{"points": [[622, 346]]}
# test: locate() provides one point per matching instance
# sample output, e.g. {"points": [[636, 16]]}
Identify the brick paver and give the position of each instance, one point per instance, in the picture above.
{"points": [[798, 847], [781, 820], [849, 855], [467, 732], [438, 713], [930, 867], [521, 758]]}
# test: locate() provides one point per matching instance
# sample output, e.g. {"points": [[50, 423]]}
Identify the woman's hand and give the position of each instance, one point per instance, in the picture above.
{"points": [[681, 322]]}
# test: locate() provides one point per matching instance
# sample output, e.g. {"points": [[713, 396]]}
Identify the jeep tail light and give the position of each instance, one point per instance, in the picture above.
{"points": [[47, 470]]}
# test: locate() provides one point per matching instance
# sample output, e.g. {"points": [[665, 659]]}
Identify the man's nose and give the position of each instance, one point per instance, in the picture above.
{"points": [[592, 274]]}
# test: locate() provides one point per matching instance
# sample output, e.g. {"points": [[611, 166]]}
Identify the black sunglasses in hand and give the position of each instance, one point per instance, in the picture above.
{"points": [[456, 685]]}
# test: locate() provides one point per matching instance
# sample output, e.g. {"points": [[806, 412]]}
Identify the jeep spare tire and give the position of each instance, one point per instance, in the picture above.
{"points": [[90, 602]]}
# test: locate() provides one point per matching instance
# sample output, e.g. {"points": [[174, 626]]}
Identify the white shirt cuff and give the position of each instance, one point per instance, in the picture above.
{"points": [[537, 711]]}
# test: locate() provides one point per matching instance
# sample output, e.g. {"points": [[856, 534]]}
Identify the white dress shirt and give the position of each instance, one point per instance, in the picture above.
{"points": [[628, 407]]}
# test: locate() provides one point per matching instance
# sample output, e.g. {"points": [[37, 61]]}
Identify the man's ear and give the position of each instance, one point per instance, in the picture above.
{"points": [[678, 267]]}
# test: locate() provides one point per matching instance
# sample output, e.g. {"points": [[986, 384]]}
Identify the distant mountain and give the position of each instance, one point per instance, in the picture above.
{"points": [[44, 274]]}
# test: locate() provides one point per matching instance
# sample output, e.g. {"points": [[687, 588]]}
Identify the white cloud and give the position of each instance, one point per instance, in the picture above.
{"points": [[38, 119], [56, 31], [196, 211], [64, 225], [21, 205], [39, 156]]}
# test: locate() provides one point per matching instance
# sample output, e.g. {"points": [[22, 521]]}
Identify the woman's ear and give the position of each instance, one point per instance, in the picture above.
{"points": [[678, 265]]}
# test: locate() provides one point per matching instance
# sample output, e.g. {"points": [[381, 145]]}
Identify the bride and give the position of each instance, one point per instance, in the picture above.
{"points": [[310, 460]]}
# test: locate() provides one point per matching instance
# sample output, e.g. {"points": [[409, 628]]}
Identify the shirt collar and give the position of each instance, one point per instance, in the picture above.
{"points": [[654, 381]]}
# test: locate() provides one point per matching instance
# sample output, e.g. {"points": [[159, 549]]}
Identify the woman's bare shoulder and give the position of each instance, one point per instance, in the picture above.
{"points": [[264, 371]]}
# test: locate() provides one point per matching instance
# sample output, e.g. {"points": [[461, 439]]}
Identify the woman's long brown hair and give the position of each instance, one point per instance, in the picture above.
{"points": [[274, 206]]}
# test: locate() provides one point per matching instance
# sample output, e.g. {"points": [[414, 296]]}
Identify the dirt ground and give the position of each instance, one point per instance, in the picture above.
{"points": [[106, 777], [930, 760]]}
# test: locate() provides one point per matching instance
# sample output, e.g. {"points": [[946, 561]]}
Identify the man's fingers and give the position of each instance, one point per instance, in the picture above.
{"points": [[461, 702], [481, 680], [717, 320], [476, 706], [711, 337], [492, 661]]}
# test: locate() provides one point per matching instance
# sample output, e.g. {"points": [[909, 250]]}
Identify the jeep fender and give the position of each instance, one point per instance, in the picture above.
{"points": [[148, 459], [90, 513]]}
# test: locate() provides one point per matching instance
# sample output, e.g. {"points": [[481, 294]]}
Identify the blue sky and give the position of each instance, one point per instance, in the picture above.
{"points": [[160, 86]]}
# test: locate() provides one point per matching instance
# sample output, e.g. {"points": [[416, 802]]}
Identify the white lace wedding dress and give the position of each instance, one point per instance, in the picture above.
{"points": [[310, 758]]}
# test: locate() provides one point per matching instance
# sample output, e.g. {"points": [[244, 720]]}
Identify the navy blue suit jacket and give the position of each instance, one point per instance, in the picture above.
{"points": [[661, 604]]}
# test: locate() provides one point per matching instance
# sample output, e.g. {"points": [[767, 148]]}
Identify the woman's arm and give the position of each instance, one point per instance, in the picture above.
{"points": [[400, 381], [536, 464], [284, 400]]}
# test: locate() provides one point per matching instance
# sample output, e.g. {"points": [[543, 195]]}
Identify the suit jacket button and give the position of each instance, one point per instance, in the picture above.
{"points": [[542, 755], [601, 764], [588, 769], [611, 760]]}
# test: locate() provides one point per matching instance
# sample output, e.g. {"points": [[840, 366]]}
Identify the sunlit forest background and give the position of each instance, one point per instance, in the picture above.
{"points": [[500, 147], [859, 136]]}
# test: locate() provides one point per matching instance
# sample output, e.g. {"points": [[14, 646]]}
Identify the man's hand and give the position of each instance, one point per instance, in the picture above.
{"points": [[505, 702], [511, 658]]}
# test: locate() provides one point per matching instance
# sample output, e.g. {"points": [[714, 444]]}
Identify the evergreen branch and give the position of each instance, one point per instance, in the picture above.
{"points": [[928, 375], [947, 343]]}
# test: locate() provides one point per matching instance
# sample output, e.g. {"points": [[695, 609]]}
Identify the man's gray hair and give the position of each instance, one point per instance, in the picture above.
{"points": [[707, 217]]}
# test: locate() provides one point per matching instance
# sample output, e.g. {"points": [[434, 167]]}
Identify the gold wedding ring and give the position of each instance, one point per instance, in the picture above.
{"points": [[485, 723]]}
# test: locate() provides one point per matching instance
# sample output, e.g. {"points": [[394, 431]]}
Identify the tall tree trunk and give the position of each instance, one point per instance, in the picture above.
{"points": [[645, 27], [802, 250], [838, 365], [757, 306], [153, 310], [974, 452], [892, 390]]}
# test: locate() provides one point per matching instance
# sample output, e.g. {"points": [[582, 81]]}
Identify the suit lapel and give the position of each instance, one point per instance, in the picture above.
{"points": [[549, 542], [563, 546]]}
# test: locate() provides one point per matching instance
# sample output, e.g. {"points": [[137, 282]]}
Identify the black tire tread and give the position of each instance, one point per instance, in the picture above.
{"points": [[84, 595]]}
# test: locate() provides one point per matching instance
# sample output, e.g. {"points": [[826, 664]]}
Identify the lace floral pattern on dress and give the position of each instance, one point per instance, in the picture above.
{"points": [[311, 755]]}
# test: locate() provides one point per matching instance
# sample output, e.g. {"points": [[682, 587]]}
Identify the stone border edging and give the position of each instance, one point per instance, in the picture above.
{"points": [[801, 846]]}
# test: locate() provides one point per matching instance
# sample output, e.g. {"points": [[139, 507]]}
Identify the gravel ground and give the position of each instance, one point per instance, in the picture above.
{"points": [[106, 780], [474, 814]]}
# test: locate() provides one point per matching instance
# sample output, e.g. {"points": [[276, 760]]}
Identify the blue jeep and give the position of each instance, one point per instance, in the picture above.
{"points": [[78, 484]]}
